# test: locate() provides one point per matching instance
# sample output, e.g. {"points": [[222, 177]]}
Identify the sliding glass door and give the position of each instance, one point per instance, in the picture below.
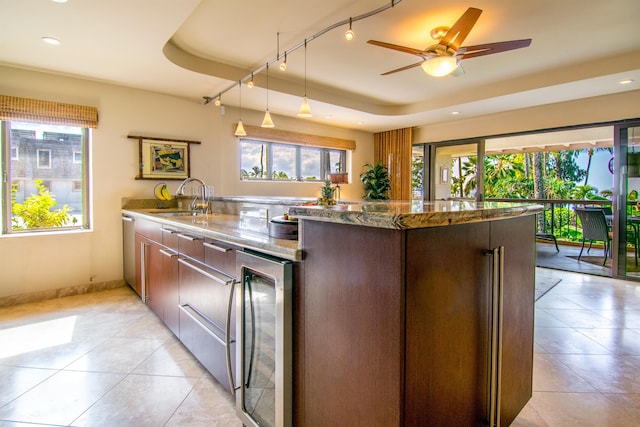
{"points": [[446, 171], [626, 169]]}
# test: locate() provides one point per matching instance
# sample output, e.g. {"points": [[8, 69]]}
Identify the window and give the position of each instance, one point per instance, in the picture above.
{"points": [[263, 160], [48, 174], [44, 159], [45, 164]]}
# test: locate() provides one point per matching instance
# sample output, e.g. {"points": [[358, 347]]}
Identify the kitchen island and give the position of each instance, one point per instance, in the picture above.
{"points": [[415, 314], [404, 313]]}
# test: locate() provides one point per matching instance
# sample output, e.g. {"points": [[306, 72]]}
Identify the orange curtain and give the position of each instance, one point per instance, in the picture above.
{"points": [[393, 149]]}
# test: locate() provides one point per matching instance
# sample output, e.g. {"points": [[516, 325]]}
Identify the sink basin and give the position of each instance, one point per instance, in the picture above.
{"points": [[179, 213]]}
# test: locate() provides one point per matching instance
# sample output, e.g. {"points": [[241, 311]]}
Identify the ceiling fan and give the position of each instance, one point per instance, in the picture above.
{"points": [[443, 58]]}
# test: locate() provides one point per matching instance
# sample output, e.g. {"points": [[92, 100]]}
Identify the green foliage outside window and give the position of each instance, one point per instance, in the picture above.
{"points": [[36, 210]]}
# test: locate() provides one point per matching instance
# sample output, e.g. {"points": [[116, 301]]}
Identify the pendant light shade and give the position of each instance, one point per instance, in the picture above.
{"points": [[267, 122], [305, 110], [240, 128]]}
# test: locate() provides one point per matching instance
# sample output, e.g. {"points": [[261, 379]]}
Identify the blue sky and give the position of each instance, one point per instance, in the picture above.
{"points": [[599, 175]]}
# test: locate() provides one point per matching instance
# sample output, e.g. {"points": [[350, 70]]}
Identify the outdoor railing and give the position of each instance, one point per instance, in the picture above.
{"points": [[558, 218]]}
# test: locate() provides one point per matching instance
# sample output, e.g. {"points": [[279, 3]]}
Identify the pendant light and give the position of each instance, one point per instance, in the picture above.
{"points": [[240, 128], [305, 110], [349, 34], [267, 122]]}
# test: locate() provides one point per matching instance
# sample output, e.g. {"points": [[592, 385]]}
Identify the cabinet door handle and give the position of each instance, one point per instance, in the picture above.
{"points": [[189, 311], [168, 230], [189, 237], [497, 310], [216, 247], [205, 273], [144, 260], [227, 338], [168, 253], [127, 219]]}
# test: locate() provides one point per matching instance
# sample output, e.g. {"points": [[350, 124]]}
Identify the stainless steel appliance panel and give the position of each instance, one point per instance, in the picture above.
{"points": [[263, 354], [129, 250]]}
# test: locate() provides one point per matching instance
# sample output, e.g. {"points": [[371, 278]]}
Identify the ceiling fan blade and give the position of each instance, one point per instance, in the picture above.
{"points": [[460, 30], [491, 48], [398, 47], [402, 69]]}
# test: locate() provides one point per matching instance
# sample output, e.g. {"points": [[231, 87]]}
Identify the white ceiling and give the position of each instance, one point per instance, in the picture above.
{"points": [[196, 48]]}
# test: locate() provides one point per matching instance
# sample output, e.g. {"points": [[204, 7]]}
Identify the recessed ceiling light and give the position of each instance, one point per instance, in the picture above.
{"points": [[59, 1], [51, 40], [626, 82], [328, 116], [455, 113]]}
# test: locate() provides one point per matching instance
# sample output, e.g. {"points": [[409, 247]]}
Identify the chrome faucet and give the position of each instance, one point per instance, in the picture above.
{"points": [[203, 205]]}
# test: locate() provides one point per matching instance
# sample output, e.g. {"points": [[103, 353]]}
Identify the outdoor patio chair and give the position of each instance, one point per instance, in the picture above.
{"points": [[594, 228]]}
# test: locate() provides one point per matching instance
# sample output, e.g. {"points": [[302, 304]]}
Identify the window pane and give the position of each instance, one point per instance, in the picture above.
{"points": [[253, 160], [310, 164], [284, 162], [46, 173], [336, 161]]}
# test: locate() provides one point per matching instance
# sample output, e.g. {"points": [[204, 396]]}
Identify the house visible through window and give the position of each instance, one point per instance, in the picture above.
{"points": [[46, 171], [44, 159], [263, 160]]}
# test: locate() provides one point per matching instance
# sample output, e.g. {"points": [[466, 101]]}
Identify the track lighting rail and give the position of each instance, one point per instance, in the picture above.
{"points": [[208, 99]]}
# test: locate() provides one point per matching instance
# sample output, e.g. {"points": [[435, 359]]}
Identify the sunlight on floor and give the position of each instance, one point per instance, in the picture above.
{"points": [[51, 333]]}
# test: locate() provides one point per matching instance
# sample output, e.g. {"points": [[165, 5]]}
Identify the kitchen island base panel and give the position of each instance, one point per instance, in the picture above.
{"points": [[401, 323], [353, 312]]}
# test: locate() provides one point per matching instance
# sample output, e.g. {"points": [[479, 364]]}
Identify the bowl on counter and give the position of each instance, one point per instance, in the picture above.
{"points": [[283, 228]]}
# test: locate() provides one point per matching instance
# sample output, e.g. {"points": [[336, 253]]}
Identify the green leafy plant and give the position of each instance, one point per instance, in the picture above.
{"points": [[35, 211], [376, 182]]}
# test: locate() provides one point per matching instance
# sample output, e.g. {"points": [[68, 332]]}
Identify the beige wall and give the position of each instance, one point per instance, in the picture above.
{"points": [[44, 262], [625, 105]]}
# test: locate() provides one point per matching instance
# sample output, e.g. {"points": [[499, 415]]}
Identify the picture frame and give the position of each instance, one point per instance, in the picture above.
{"points": [[163, 158]]}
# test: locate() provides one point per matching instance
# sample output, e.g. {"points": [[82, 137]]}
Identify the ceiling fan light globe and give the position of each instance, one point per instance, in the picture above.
{"points": [[440, 66]]}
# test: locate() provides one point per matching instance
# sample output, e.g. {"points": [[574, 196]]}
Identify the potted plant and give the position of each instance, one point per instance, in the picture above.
{"points": [[376, 182]]}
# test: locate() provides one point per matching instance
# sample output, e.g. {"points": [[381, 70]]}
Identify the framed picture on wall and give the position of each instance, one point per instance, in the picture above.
{"points": [[163, 158]]}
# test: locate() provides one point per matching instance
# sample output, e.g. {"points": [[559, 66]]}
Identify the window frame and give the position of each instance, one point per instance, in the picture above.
{"points": [[325, 169], [5, 162]]}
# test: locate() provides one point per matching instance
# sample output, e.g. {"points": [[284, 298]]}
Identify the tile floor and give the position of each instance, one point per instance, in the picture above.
{"points": [[104, 359]]}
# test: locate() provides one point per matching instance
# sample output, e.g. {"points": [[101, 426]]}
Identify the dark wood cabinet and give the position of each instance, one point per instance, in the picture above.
{"points": [[397, 325], [188, 283], [207, 318]]}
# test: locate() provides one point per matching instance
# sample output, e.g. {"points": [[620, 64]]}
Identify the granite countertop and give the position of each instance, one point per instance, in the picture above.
{"points": [[249, 231], [401, 215]]}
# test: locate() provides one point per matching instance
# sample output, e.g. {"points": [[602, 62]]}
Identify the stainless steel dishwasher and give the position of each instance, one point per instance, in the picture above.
{"points": [[129, 250]]}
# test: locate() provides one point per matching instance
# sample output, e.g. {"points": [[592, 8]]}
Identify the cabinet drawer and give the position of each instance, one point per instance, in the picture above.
{"points": [[170, 237], [208, 291], [190, 245], [149, 229], [208, 345], [221, 256]]}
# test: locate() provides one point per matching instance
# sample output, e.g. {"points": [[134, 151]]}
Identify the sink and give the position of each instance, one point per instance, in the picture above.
{"points": [[179, 213]]}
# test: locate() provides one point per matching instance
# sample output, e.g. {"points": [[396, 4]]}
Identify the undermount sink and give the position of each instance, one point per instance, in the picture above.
{"points": [[180, 213]]}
